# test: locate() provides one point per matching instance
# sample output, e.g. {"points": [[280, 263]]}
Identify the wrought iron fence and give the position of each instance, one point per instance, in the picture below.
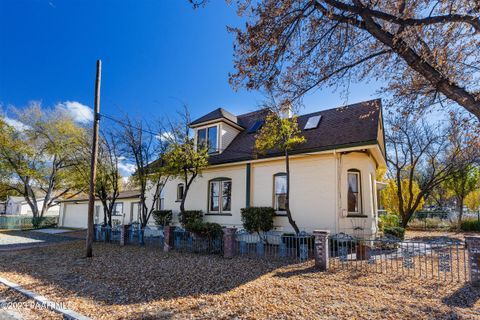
{"points": [[190, 242], [26, 223], [275, 246], [442, 258]]}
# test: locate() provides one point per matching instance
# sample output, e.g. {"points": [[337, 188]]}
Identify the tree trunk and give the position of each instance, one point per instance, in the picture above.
{"points": [[287, 196], [406, 218], [460, 210]]}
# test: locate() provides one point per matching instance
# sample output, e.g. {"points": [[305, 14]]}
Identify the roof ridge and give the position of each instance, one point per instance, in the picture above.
{"points": [[311, 113], [344, 106]]}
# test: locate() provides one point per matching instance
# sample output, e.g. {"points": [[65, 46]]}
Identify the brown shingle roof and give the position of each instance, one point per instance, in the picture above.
{"points": [[355, 124], [214, 115]]}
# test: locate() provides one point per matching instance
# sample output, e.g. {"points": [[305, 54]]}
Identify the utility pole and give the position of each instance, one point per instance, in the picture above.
{"points": [[93, 163]]}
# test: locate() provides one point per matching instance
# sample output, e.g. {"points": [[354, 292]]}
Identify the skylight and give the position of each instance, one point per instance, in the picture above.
{"points": [[312, 122], [255, 127]]}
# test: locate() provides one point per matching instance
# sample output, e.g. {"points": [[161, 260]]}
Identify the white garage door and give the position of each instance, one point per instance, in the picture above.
{"points": [[75, 215]]}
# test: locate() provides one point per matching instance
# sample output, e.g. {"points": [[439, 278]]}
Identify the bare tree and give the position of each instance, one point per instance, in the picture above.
{"points": [[142, 147], [425, 51], [418, 153], [108, 180], [183, 159], [465, 177]]}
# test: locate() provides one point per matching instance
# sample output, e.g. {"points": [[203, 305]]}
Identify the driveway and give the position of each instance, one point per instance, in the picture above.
{"points": [[17, 240]]}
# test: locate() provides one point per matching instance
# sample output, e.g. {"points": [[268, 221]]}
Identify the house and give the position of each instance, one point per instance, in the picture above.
{"points": [[333, 174], [17, 205], [73, 212]]}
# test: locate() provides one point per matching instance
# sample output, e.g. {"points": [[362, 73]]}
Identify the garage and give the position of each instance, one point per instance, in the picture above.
{"points": [[74, 215]]}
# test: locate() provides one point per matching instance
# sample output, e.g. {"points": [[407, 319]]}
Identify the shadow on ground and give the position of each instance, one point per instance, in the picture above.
{"points": [[127, 275], [464, 297]]}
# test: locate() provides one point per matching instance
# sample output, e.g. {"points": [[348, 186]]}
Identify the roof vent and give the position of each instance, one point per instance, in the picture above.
{"points": [[256, 126], [312, 122]]}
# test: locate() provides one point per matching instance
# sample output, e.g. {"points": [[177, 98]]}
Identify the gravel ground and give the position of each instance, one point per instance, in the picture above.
{"points": [[136, 282]]}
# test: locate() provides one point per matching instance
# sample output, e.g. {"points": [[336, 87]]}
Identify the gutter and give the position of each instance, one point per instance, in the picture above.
{"points": [[326, 150]]}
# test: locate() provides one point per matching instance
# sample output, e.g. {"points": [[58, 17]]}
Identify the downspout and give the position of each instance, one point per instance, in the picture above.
{"points": [[338, 193], [336, 184], [247, 184]]}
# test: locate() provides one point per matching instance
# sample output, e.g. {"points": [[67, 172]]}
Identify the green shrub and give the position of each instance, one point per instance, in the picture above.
{"points": [[162, 217], [205, 229], [190, 216], [398, 232], [470, 225], [258, 219], [388, 220]]}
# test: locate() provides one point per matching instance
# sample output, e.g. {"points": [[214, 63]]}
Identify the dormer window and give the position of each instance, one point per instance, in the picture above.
{"points": [[208, 138]]}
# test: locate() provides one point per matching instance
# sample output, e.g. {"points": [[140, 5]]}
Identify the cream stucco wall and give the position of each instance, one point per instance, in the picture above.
{"points": [[318, 192], [74, 214]]}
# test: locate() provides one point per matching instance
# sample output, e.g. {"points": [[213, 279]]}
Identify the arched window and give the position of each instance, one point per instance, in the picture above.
{"points": [[279, 191], [220, 195], [354, 196], [180, 190]]}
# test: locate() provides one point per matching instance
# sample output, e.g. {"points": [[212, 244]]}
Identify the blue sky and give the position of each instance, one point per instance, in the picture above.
{"points": [[154, 53]]}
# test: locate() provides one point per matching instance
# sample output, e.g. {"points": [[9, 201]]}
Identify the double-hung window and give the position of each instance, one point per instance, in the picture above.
{"points": [[208, 138], [354, 196], [180, 191], [280, 192], [220, 196], [117, 209]]}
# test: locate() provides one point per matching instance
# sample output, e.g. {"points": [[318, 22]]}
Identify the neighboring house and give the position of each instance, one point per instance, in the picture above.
{"points": [[74, 211], [333, 183], [17, 205]]}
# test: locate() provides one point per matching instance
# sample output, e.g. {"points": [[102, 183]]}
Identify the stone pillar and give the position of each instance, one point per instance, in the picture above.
{"points": [[473, 248], [321, 249], [124, 234], [229, 242], [169, 238]]}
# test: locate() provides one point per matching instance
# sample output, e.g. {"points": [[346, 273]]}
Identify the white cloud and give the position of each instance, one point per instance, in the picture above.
{"points": [[79, 112], [125, 169], [165, 136], [20, 126]]}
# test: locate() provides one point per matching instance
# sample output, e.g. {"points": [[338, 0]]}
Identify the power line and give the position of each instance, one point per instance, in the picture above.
{"points": [[156, 134], [123, 123]]}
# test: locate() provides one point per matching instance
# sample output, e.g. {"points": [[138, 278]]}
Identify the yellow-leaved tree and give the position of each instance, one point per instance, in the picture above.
{"points": [[280, 135], [472, 201], [390, 199]]}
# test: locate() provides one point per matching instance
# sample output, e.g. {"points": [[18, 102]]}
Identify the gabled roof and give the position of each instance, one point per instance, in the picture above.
{"points": [[352, 125], [217, 114]]}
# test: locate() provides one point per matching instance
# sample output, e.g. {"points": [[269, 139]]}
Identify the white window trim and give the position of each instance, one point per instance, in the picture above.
{"points": [[217, 147], [178, 193], [114, 209], [359, 186], [275, 202], [220, 197]]}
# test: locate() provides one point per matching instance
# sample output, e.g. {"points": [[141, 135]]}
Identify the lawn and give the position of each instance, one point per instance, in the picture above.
{"points": [[136, 282]]}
